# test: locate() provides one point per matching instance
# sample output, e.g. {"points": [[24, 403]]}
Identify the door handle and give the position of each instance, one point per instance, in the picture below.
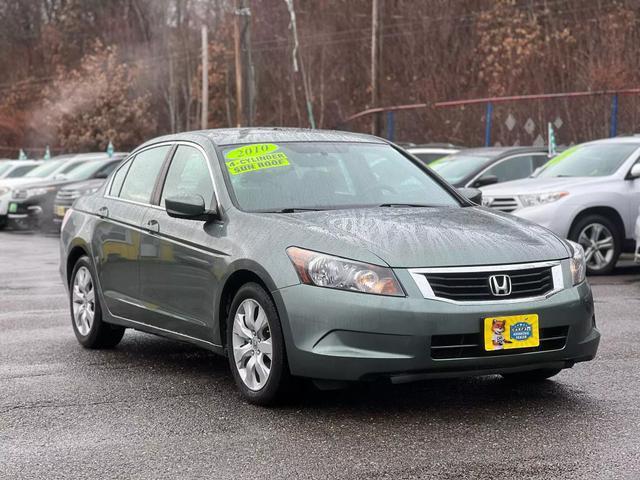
{"points": [[103, 212], [153, 226]]}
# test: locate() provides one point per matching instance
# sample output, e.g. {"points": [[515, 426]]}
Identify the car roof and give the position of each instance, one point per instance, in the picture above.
{"points": [[632, 139], [91, 156], [235, 136], [498, 152]]}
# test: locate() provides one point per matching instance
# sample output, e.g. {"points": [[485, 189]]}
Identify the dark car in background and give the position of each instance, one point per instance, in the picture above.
{"points": [[32, 205], [70, 193], [477, 167]]}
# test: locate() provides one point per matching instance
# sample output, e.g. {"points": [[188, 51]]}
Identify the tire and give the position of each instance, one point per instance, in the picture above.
{"points": [[90, 329], [583, 232], [252, 330], [532, 375]]}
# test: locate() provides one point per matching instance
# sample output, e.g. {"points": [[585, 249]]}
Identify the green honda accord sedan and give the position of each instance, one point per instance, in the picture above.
{"points": [[327, 255]]}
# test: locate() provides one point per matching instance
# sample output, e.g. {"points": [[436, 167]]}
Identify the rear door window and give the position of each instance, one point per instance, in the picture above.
{"points": [[142, 175]]}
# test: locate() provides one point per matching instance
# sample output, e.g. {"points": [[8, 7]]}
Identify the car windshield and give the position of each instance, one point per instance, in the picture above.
{"points": [[321, 175], [456, 168], [4, 167], [596, 160], [85, 170], [46, 169]]}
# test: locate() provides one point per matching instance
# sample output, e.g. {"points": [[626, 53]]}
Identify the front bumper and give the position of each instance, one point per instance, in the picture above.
{"points": [[36, 209], [555, 216], [338, 335]]}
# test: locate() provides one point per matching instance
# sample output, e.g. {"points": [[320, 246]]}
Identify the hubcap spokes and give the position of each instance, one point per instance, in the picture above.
{"points": [[252, 348], [83, 297], [597, 241]]}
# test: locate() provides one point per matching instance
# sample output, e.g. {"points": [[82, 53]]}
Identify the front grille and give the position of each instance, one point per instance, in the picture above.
{"points": [[504, 204], [67, 197], [474, 286], [471, 345]]}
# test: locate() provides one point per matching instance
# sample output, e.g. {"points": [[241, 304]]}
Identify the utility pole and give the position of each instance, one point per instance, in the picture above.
{"points": [[205, 78], [239, 75], [298, 64], [245, 88], [375, 26]]}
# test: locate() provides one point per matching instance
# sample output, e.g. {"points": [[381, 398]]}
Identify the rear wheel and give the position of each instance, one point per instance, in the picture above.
{"points": [[532, 375], [601, 242], [86, 312], [255, 345]]}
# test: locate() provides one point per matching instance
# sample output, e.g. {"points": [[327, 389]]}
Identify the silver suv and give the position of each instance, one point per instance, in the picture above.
{"points": [[589, 194]]}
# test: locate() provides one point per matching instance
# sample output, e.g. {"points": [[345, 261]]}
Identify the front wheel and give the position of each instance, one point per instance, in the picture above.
{"points": [[255, 346], [86, 311], [601, 242]]}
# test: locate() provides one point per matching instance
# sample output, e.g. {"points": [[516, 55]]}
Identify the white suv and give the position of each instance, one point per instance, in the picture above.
{"points": [[589, 194]]}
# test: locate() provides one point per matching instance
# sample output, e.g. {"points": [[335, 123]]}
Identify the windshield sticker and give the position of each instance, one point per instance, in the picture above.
{"points": [[251, 151], [260, 162], [558, 158]]}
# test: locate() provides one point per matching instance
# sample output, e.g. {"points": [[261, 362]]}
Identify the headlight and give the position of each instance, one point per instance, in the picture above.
{"points": [[89, 191], [4, 190], [534, 199], [333, 272], [578, 264]]}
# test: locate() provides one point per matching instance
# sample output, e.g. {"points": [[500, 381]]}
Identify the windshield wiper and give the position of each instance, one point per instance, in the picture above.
{"points": [[402, 205], [294, 210]]}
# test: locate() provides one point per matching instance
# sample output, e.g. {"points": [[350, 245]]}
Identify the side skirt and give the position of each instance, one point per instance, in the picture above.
{"points": [[143, 327]]}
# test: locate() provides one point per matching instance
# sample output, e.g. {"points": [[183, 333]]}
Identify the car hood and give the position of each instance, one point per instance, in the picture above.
{"points": [[539, 185], [428, 237], [85, 184], [19, 182]]}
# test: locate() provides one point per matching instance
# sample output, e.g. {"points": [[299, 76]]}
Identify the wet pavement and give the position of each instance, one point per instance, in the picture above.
{"points": [[155, 408]]}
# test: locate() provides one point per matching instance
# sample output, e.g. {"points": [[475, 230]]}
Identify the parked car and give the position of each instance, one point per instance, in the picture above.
{"points": [[318, 254], [589, 194], [477, 167], [32, 205], [637, 238], [431, 152], [70, 193], [17, 168], [57, 167]]}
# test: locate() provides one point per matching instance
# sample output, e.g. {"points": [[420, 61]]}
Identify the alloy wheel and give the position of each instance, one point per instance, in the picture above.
{"points": [[252, 347], [599, 248], [84, 306]]}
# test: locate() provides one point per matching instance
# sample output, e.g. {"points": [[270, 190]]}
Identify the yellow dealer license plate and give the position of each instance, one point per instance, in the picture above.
{"points": [[515, 331], [13, 207], [60, 211]]}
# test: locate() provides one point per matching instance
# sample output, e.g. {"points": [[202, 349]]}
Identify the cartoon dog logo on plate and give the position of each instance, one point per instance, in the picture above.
{"points": [[497, 334]]}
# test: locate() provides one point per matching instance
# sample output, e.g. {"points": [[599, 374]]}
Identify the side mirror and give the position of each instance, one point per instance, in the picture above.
{"points": [[101, 175], [190, 207], [472, 194], [635, 171], [485, 180]]}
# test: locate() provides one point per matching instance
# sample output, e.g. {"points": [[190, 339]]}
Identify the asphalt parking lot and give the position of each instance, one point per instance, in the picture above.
{"points": [[154, 408]]}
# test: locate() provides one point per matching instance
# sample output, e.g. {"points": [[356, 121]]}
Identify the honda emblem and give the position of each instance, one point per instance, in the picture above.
{"points": [[500, 285]]}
